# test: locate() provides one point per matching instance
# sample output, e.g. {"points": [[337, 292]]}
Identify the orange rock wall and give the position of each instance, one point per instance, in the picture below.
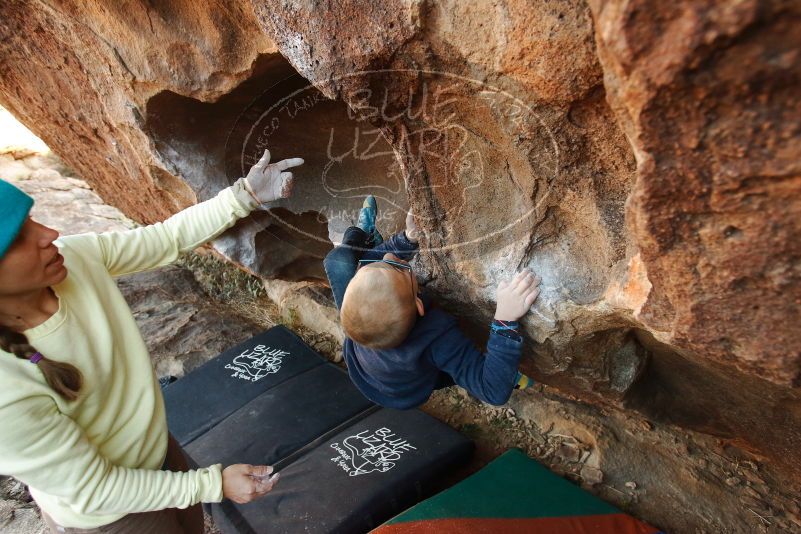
{"points": [[643, 158]]}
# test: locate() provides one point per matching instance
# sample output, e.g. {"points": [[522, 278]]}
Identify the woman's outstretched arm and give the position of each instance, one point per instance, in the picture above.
{"points": [[162, 243]]}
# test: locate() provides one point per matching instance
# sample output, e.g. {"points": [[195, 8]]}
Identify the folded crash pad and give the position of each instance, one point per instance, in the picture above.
{"points": [[346, 464], [210, 393], [281, 420], [514, 495], [354, 480]]}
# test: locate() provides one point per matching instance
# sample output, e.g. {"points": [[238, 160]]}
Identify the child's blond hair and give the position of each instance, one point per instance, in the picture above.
{"points": [[375, 312]]}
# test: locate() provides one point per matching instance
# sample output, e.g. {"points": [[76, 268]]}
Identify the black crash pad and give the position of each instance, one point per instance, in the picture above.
{"points": [[354, 480], [281, 420], [346, 465], [212, 392]]}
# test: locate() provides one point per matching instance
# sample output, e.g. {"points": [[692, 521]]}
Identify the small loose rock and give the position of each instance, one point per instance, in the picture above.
{"points": [[592, 475]]}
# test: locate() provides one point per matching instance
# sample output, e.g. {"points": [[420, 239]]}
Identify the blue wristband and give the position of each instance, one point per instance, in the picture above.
{"points": [[508, 329], [498, 325]]}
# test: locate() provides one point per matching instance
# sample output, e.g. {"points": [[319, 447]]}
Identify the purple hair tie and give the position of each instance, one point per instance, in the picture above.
{"points": [[36, 358]]}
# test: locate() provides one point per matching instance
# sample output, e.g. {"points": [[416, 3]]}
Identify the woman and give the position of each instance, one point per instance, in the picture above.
{"points": [[82, 418]]}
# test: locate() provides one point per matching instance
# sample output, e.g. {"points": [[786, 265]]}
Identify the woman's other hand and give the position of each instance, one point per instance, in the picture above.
{"points": [[267, 181], [243, 483]]}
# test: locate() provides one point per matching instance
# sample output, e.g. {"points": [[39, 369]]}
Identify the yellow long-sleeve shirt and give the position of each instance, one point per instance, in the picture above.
{"points": [[91, 461]]}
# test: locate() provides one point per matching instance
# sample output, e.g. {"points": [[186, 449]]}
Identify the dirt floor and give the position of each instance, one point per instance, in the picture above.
{"points": [[190, 312]]}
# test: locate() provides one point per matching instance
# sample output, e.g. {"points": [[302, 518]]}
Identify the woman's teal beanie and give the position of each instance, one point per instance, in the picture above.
{"points": [[14, 208]]}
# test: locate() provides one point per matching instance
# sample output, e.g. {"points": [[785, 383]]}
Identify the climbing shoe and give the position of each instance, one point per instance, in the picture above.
{"points": [[366, 221], [522, 381]]}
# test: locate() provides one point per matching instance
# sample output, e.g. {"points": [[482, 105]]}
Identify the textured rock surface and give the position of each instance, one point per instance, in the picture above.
{"points": [[644, 159], [100, 63], [710, 105]]}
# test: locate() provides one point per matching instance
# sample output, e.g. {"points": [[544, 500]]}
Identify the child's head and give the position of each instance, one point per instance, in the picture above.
{"points": [[381, 305]]}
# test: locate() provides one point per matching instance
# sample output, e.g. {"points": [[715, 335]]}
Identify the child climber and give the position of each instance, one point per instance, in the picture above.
{"points": [[398, 347]]}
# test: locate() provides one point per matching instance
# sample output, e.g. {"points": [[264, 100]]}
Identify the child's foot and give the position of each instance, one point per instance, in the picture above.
{"points": [[368, 214], [522, 381], [367, 217]]}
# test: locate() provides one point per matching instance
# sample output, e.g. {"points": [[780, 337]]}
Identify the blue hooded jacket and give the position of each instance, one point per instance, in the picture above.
{"points": [[405, 376], [434, 354]]}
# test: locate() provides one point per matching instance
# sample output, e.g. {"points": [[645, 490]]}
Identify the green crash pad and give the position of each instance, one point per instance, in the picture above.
{"points": [[514, 494]]}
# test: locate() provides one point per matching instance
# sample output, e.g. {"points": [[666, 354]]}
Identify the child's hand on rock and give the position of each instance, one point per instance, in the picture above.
{"points": [[267, 181], [515, 297]]}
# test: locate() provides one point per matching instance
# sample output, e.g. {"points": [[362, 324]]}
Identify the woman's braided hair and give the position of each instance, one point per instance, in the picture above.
{"points": [[64, 378]]}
